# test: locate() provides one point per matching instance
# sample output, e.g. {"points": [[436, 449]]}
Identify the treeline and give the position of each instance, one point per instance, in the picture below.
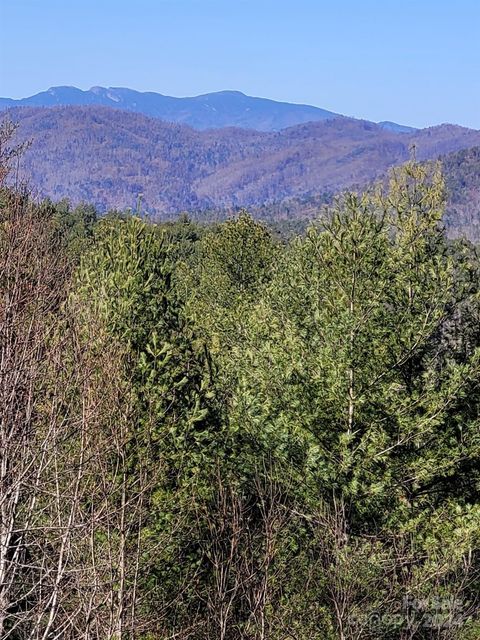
{"points": [[208, 433]]}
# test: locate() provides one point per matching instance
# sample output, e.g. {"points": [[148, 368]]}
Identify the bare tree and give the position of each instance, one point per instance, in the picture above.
{"points": [[32, 281]]}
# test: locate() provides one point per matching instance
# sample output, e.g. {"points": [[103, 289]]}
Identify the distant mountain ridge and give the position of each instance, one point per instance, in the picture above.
{"points": [[109, 156], [207, 111]]}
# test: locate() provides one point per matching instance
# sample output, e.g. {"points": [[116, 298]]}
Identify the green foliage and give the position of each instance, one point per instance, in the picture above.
{"points": [[343, 359], [232, 265], [293, 429], [127, 278], [126, 281], [73, 226]]}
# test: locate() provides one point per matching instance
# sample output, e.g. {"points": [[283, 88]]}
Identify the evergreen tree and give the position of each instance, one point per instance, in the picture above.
{"points": [[169, 431], [345, 362]]}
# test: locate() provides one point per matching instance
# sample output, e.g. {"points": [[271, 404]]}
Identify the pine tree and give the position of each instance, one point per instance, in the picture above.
{"points": [[345, 362]]}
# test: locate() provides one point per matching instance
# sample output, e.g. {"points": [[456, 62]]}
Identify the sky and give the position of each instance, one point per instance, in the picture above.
{"points": [[415, 62]]}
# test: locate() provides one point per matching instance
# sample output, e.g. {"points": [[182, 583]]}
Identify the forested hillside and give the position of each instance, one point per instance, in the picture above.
{"points": [[108, 157], [208, 434], [461, 170], [462, 174]]}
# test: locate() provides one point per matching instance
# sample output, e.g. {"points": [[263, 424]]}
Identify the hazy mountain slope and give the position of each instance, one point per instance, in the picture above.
{"points": [[461, 170], [211, 110], [462, 174], [109, 156]]}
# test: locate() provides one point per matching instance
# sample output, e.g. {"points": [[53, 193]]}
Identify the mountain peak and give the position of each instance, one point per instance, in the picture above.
{"points": [[227, 92]]}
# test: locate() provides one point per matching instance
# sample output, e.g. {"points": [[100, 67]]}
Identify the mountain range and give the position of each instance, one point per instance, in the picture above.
{"points": [[208, 111], [108, 156]]}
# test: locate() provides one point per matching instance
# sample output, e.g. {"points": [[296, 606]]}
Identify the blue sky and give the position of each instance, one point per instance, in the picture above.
{"points": [[414, 62]]}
